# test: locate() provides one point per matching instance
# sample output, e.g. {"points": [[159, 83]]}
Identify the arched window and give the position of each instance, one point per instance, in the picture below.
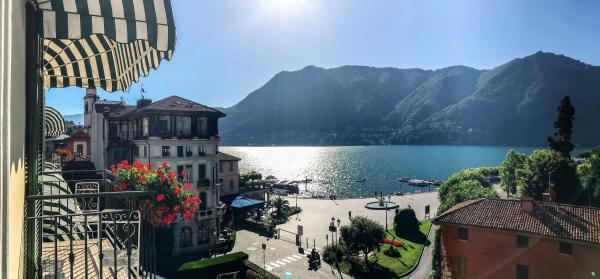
{"points": [[203, 235], [203, 201], [79, 149], [185, 237]]}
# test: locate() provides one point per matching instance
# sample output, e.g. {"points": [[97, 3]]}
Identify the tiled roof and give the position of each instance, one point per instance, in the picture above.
{"points": [[226, 157], [109, 102], [564, 221], [123, 112], [177, 103]]}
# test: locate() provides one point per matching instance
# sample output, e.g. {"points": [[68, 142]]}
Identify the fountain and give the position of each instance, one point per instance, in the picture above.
{"points": [[381, 204]]}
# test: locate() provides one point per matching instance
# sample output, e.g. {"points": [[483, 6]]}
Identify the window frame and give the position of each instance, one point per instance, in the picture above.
{"points": [[167, 149], [461, 232], [520, 268], [463, 265], [565, 245], [522, 241]]}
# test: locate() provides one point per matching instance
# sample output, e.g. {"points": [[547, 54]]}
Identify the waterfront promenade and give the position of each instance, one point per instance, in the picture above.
{"points": [[281, 254]]}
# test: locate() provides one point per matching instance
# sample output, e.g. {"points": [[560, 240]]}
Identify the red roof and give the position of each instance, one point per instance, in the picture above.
{"points": [[572, 222]]}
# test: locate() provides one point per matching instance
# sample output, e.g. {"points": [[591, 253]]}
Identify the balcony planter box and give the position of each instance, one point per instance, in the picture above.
{"points": [[201, 154], [189, 154]]}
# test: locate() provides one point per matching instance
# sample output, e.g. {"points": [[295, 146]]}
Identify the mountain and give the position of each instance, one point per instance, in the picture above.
{"points": [[76, 118], [512, 104]]}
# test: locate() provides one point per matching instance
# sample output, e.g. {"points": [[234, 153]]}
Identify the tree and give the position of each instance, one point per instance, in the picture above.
{"points": [[465, 185], [406, 223], [280, 204], [561, 142], [544, 167], [334, 255], [508, 171], [589, 174], [363, 235]]}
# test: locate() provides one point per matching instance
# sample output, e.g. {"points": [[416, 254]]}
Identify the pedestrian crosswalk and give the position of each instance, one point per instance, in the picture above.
{"points": [[281, 262]]}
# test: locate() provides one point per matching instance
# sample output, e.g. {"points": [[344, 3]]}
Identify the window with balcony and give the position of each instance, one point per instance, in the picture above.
{"points": [[164, 126], [201, 171], [201, 125], [146, 126], [179, 151], [188, 151], [201, 150], [166, 151], [189, 173], [183, 126], [565, 248], [180, 170], [463, 234], [145, 151], [522, 241]]}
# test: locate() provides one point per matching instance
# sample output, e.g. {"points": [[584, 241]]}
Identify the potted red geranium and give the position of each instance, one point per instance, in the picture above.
{"points": [[173, 195], [63, 152]]}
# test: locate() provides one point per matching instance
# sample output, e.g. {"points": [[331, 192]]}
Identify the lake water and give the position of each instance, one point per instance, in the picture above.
{"points": [[334, 170]]}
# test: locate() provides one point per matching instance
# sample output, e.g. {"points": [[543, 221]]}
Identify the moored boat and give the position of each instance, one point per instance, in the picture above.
{"points": [[418, 182]]}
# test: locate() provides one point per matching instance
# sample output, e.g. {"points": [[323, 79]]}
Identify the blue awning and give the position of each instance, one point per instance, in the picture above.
{"points": [[245, 202]]}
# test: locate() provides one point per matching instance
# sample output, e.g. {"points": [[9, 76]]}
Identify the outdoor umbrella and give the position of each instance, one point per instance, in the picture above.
{"points": [[103, 43]]}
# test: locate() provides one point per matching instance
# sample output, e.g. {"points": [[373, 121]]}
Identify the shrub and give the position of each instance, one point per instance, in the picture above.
{"points": [[406, 223], [333, 254], [210, 268], [391, 252]]}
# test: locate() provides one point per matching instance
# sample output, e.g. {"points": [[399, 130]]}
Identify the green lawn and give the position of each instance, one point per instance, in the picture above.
{"points": [[382, 265]]}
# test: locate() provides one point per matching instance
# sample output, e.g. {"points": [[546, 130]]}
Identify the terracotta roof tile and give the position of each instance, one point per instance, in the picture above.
{"points": [[564, 221], [226, 157]]}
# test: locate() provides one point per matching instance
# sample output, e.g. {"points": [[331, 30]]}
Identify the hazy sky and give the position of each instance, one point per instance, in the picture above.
{"points": [[228, 48]]}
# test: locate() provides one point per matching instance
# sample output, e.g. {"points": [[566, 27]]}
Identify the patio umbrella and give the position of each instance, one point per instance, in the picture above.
{"points": [[103, 43], [54, 123]]}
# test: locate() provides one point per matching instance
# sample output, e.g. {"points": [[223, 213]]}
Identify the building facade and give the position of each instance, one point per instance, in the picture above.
{"points": [[493, 238], [173, 130], [229, 174]]}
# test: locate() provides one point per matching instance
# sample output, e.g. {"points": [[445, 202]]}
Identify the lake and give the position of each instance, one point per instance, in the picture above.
{"points": [[334, 170]]}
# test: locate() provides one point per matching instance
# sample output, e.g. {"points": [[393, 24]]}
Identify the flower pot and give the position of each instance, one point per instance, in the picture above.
{"points": [[158, 216]]}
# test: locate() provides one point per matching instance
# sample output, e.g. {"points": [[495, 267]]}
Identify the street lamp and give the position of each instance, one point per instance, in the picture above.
{"points": [[264, 247], [336, 234], [332, 228]]}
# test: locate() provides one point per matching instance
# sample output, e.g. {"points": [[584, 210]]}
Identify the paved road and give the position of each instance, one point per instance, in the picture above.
{"points": [[424, 268], [281, 257]]}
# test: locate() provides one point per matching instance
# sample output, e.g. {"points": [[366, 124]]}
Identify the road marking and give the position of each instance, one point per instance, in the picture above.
{"points": [[286, 260], [297, 257], [280, 262], [274, 264], [292, 258]]}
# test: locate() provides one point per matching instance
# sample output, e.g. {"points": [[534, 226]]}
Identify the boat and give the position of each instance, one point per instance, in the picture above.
{"points": [[436, 182], [361, 180], [418, 182], [404, 179]]}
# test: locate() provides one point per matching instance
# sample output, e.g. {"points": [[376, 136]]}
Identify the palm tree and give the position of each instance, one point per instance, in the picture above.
{"points": [[280, 204]]}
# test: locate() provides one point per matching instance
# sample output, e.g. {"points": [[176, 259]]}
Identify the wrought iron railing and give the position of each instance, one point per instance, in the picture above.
{"points": [[84, 229]]}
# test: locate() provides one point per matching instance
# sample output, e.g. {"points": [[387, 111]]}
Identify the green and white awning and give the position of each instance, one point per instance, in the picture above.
{"points": [[54, 123], [104, 43]]}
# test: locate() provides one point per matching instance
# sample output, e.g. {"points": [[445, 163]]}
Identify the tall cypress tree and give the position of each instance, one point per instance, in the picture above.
{"points": [[561, 142]]}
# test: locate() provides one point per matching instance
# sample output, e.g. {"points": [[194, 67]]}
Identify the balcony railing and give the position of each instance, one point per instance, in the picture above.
{"points": [[83, 229]]}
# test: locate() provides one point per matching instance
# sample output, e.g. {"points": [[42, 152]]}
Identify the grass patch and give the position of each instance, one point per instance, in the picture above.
{"points": [[200, 264], [382, 266]]}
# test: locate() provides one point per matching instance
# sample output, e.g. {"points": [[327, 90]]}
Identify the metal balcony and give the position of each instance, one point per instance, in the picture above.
{"points": [[83, 229]]}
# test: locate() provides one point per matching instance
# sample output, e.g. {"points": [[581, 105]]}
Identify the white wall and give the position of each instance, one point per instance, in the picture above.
{"points": [[12, 136]]}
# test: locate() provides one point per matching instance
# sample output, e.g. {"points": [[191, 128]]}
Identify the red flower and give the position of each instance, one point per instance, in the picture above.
{"points": [[142, 180], [123, 186], [187, 217], [125, 162], [114, 171], [163, 179], [171, 174], [160, 197], [176, 208], [165, 164], [177, 191], [119, 166], [171, 217], [188, 185], [116, 189], [183, 173], [138, 165], [159, 172]]}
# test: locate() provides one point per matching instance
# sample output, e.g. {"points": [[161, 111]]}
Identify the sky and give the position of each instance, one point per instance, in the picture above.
{"points": [[228, 48]]}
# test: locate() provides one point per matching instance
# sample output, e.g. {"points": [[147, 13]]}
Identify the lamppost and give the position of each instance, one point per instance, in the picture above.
{"points": [[264, 247], [386, 217], [337, 239], [332, 229]]}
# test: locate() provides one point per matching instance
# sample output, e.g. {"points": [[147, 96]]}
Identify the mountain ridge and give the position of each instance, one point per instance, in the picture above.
{"points": [[511, 104]]}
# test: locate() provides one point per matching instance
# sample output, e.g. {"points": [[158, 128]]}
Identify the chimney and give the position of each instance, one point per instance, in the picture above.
{"points": [[143, 102], [527, 204]]}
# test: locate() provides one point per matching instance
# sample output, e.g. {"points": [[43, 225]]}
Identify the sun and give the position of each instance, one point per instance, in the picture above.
{"points": [[285, 8]]}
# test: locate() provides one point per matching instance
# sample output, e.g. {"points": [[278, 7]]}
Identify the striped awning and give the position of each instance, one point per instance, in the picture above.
{"points": [[104, 43], [54, 123]]}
